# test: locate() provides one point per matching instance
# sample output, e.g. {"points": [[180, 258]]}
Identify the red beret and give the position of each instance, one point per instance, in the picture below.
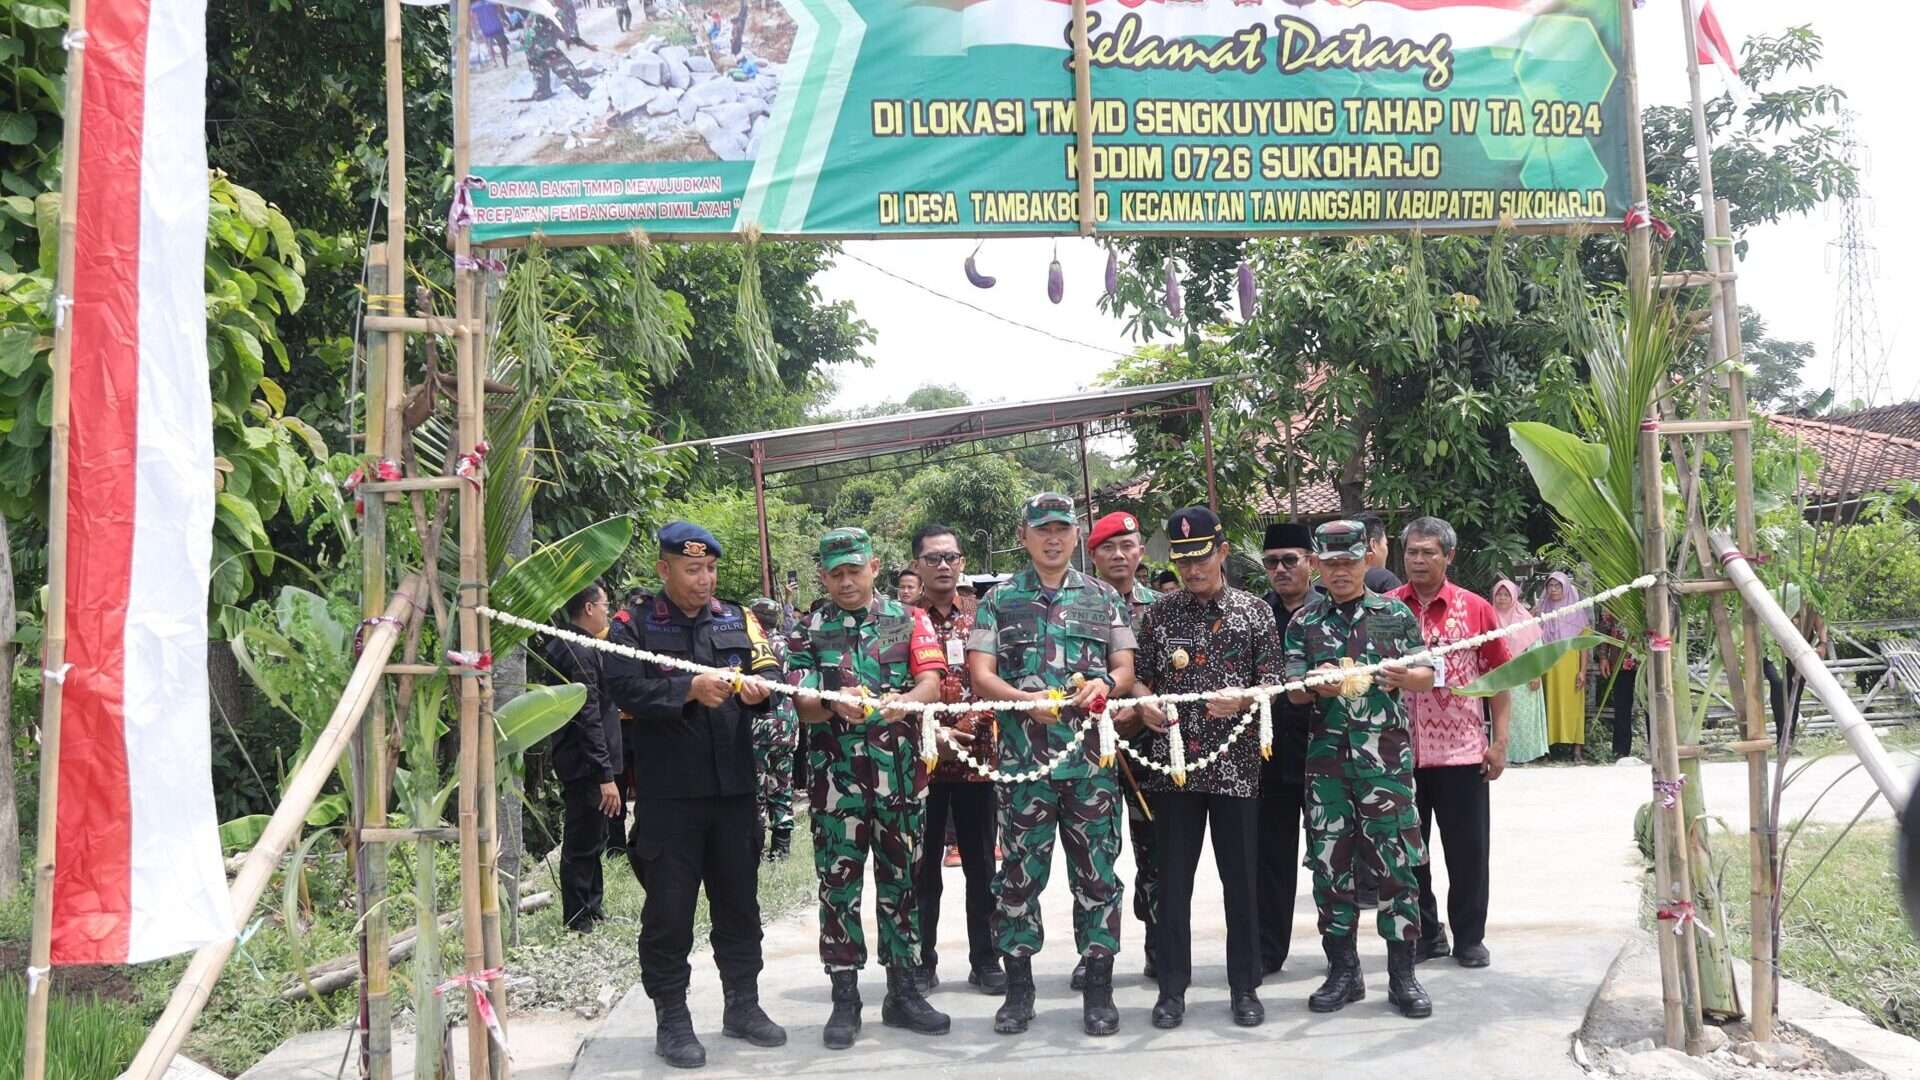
{"points": [[1114, 524]]}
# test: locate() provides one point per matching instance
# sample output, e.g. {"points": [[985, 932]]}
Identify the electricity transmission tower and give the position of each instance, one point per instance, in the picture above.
{"points": [[1859, 356]]}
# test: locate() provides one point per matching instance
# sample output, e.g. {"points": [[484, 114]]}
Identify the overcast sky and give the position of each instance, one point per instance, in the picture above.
{"points": [[1790, 277]]}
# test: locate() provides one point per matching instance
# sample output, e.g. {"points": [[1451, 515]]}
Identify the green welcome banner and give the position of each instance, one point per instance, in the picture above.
{"points": [[956, 117]]}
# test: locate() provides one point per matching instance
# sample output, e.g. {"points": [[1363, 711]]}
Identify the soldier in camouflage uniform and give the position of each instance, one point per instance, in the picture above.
{"points": [[1117, 548], [545, 58], [776, 735], [866, 778], [1360, 767], [1031, 635]]}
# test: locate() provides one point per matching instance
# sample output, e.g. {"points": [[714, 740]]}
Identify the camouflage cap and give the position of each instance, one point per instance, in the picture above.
{"points": [[843, 546], [1048, 507], [1340, 540]]}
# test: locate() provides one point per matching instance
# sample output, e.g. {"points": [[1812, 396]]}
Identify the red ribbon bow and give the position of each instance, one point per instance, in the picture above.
{"points": [[482, 1004], [1639, 217], [1659, 643], [467, 465], [1669, 791], [478, 661], [460, 214], [1680, 913]]}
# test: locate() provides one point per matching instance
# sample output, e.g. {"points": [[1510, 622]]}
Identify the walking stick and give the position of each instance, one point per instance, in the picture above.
{"points": [[1126, 770]]}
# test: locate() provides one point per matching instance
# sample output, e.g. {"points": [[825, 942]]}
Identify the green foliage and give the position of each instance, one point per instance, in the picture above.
{"points": [[1873, 571], [1530, 665], [91, 1039], [30, 107], [534, 715], [793, 530], [539, 585]]}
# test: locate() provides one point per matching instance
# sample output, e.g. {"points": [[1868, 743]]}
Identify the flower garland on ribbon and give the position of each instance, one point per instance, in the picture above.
{"points": [[1353, 681]]}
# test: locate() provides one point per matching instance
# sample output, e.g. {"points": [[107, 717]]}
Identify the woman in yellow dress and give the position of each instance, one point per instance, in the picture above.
{"points": [[1566, 681]]}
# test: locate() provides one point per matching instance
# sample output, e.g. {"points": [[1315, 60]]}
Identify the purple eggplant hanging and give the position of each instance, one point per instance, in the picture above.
{"points": [[1056, 281], [1175, 306], [1243, 275], [974, 277], [1113, 273]]}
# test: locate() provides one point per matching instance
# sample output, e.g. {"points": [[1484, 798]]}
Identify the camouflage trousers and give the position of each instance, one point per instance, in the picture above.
{"points": [[1086, 815], [773, 765], [1367, 821], [841, 841], [1146, 869]]}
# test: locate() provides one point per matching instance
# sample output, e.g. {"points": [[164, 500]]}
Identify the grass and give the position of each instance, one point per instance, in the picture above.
{"points": [[91, 1039], [1845, 934], [550, 969]]}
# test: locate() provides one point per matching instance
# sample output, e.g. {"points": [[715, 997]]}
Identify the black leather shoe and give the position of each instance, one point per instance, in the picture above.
{"points": [[1016, 1013], [1432, 946], [1247, 1010], [1169, 1011], [1472, 956], [1403, 990], [1079, 980], [1344, 984], [905, 1008], [673, 1034], [744, 1019], [1097, 1013], [988, 979], [844, 1024]]}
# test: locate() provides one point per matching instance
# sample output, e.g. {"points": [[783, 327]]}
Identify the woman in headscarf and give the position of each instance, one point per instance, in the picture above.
{"points": [[1527, 725], [1566, 681]]}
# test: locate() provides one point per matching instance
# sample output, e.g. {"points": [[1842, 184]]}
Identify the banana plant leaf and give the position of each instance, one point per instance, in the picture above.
{"points": [[243, 832], [1530, 665], [534, 715], [540, 584]]}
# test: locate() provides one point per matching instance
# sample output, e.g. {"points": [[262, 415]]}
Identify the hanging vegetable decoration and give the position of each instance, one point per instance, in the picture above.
{"points": [[659, 347], [1570, 296], [1420, 322], [1113, 272], [974, 277], [1175, 307], [1243, 281], [1501, 285], [1056, 278], [751, 322]]}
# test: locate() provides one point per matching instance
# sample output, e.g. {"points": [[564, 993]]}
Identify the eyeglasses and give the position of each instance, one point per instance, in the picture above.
{"points": [[1275, 562], [941, 558]]}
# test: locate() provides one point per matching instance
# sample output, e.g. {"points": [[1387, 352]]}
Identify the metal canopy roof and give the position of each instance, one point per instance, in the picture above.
{"points": [[851, 440]]}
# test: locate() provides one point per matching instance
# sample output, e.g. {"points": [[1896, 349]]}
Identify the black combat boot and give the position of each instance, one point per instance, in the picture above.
{"points": [[1403, 990], [1016, 1013], [782, 845], [904, 1007], [744, 1019], [1344, 982], [1097, 1013], [673, 1037], [1079, 979], [844, 1024], [927, 978], [988, 978]]}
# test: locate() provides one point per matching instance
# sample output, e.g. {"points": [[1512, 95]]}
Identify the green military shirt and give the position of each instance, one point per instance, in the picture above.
{"points": [[1038, 642], [1368, 735], [881, 648]]}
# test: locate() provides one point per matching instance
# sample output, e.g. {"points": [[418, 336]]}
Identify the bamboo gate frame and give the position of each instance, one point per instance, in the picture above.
{"points": [[358, 724]]}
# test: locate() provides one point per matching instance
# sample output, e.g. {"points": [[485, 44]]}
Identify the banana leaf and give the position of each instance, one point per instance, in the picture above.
{"points": [[1530, 665], [542, 583], [534, 715]]}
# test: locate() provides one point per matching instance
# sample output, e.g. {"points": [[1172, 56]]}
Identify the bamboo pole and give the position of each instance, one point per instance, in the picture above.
{"points": [[473, 571], [1759, 799], [489, 836], [370, 860], [190, 994], [394, 383], [53, 656], [1821, 682], [1639, 249], [1083, 114], [1678, 962], [1703, 156]]}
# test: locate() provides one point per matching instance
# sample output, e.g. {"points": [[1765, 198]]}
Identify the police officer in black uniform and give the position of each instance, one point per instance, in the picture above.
{"points": [[694, 818], [586, 759]]}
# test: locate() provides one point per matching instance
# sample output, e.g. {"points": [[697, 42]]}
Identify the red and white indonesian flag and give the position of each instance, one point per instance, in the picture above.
{"points": [[138, 871]]}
